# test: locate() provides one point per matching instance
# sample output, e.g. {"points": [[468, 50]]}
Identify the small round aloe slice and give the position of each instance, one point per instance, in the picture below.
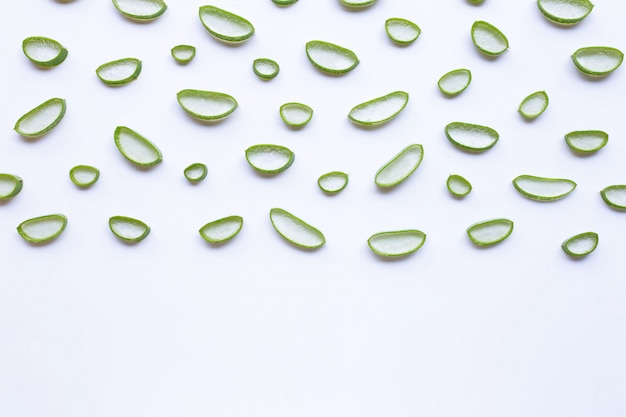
{"points": [[458, 186], [397, 243], [183, 54], [41, 119], [44, 52], [488, 38], [225, 25], [84, 175], [565, 12], [284, 2], [333, 182], [597, 60], [269, 159], [402, 31], [42, 229], [581, 244], [400, 167], [543, 189], [470, 137], [10, 186], [296, 230], [331, 58], [296, 114], [119, 72], [380, 109], [455, 81], [140, 9], [196, 172], [221, 230], [357, 3], [265, 68], [128, 229], [586, 140], [490, 232], [534, 104], [206, 105], [136, 148], [615, 196]]}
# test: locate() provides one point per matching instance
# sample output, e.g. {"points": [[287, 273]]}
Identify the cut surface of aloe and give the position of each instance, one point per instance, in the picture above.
{"points": [[333, 182], [455, 81], [265, 68], [490, 232], [565, 12], [331, 58], [43, 51], [224, 25], [396, 243], [128, 228], [400, 167], [284, 2], [296, 230], [471, 137], [458, 186], [586, 140], [140, 9], [183, 54], [269, 159], [207, 105], [10, 186], [136, 148], [221, 230], [543, 189], [119, 72], [380, 109], [42, 229], [488, 38], [357, 3], [84, 175], [196, 172], [597, 60], [41, 119], [401, 30], [581, 244], [615, 196], [534, 104], [296, 114]]}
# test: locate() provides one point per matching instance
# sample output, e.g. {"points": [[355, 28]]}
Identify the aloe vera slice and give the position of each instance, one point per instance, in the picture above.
{"points": [[119, 72], [296, 114], [534, 104], [84, 175], [140, 9], [41, 119], [43, 51], [265, 68], [221, 230], [401, 30], [471, 137], [400, 167], [565, 12], [581, 244], [296, 230], [128, 229], [357, 3], [458, 186], [586, 140], [380, 109], [224, 25], [455, 81], [331, 58], [136, 148], [333, 182], [10, 186], [269, 159], [396, 243], [490, 232], [196, 172], [597, 60], [42, 229], [206, 105], [183, 54], [615, 196], [284, 2], [543, 189], [488, 38]]}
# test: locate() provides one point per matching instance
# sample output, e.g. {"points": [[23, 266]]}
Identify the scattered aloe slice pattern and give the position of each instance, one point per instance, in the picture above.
{"points": [[357, 3], [401, 30], [284, 2], [455, 81], [196, 172], [380, 109], [42, 229], [43, 51], [565, 12], [543, 189], [296, 114], [296, 230], [128, 228], [221, 230], [471, 137], [581, 244], [269, 159], [586, 141], [400, 167], [490, 232], [615, 196], [41, 119], [597, 60], [136, 148], [119, 72], [488, 38], [331, 58], [534, 104], [84, 175], [265, 68], [396, 243], [10, 186], [333, 182], [183, 54], [140, 9], [458, 186], [207, 105], [224, 25]]}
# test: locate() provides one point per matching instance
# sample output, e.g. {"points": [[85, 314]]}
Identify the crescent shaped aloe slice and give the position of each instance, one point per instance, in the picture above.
{"points": [[183, 54], [331, 58], [379, 110], [42, 229], [402, 31], [296, 230], [543, 189], [224, 25], [140, 9], [533, 105], [455, 81], [41, 119], [565, 12], [586, 141], [471, 137], [615, 196], [490, 232], [269, 159], [400, 167], [221, 230], [296, 114], [84, 175], [10, 186], [137, 149], [206, 105], [128, 228], [488, 38], [581, 244], [597, 60], [357, 3], [43, 51], [396, 243], [119, 72], [333, 182], [284, 2]]}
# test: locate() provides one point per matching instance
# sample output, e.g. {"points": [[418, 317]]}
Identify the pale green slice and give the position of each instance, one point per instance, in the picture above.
{"points": [[221, 230], [490, 232], [597, 60], [333, 182], [488, 38], [581, 244], [331, 58], [400, 167], [296, 230], [84, 175], [543, 189], [396, 243], [401, 30], [458, 186], [380, 109], [136, 148], [10, 186], [269, 159], [476, 1], [224, 25], [196, 172], [455, 81], [615, 196], [471, 137], [183, 54], [284, 2], [128, 228], [587, 140], [265, 68], [357, 3], [42, 229], [43, 51], [565, 12], [140, 9], [41, 119], [296, 114], [534, 104], [207, 105], [119, 72]]}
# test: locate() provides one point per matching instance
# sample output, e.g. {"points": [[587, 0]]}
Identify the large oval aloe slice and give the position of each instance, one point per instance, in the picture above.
{"points": [[296, 230], [206, 105], [225, 25], [136, 148], [128, 229], [296, 114], [269, 159], [140, 9], [119, 72], [41, 119], [458, 186], [490, 232], [397, 243], [615, 196], [221, 230], [400, 167], [333, 182], [543, 189], [565, 12], [586, 140], [455, 81], [331, 58], [533, 105], [380, 109], [402, 31], [488, 38], [470, 137], [581, 244], [84, 175], [44, 52], [597, 60], [42, 229], [10, 186]]}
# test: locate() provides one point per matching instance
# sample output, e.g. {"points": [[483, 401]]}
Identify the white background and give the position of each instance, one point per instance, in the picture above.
{"points": [[90, 326]]}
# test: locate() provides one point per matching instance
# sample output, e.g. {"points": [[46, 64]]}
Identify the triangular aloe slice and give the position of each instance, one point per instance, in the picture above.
{"points": [[140, 9], [331, 58], [136, 148], [10, 186], [397, 243], [333, 182], [265, 68], [458, 186], [543, 189], [207, 105], [296, 114], [586, 140], [455, 81], [490, 232], [183, 54], [42, 229], [533, 105], [84, 175], [400, 167], [269, 159], [402, 31], [357, 3], [196, 172], [565, 12], [615, 196], [488, 38], [581, 244], [296, 230], [471, 137], [43, 51], [597, 60], [221, 230], [380, 109], [41, 119], [128, 229], [224, 25], [119, 72]]}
